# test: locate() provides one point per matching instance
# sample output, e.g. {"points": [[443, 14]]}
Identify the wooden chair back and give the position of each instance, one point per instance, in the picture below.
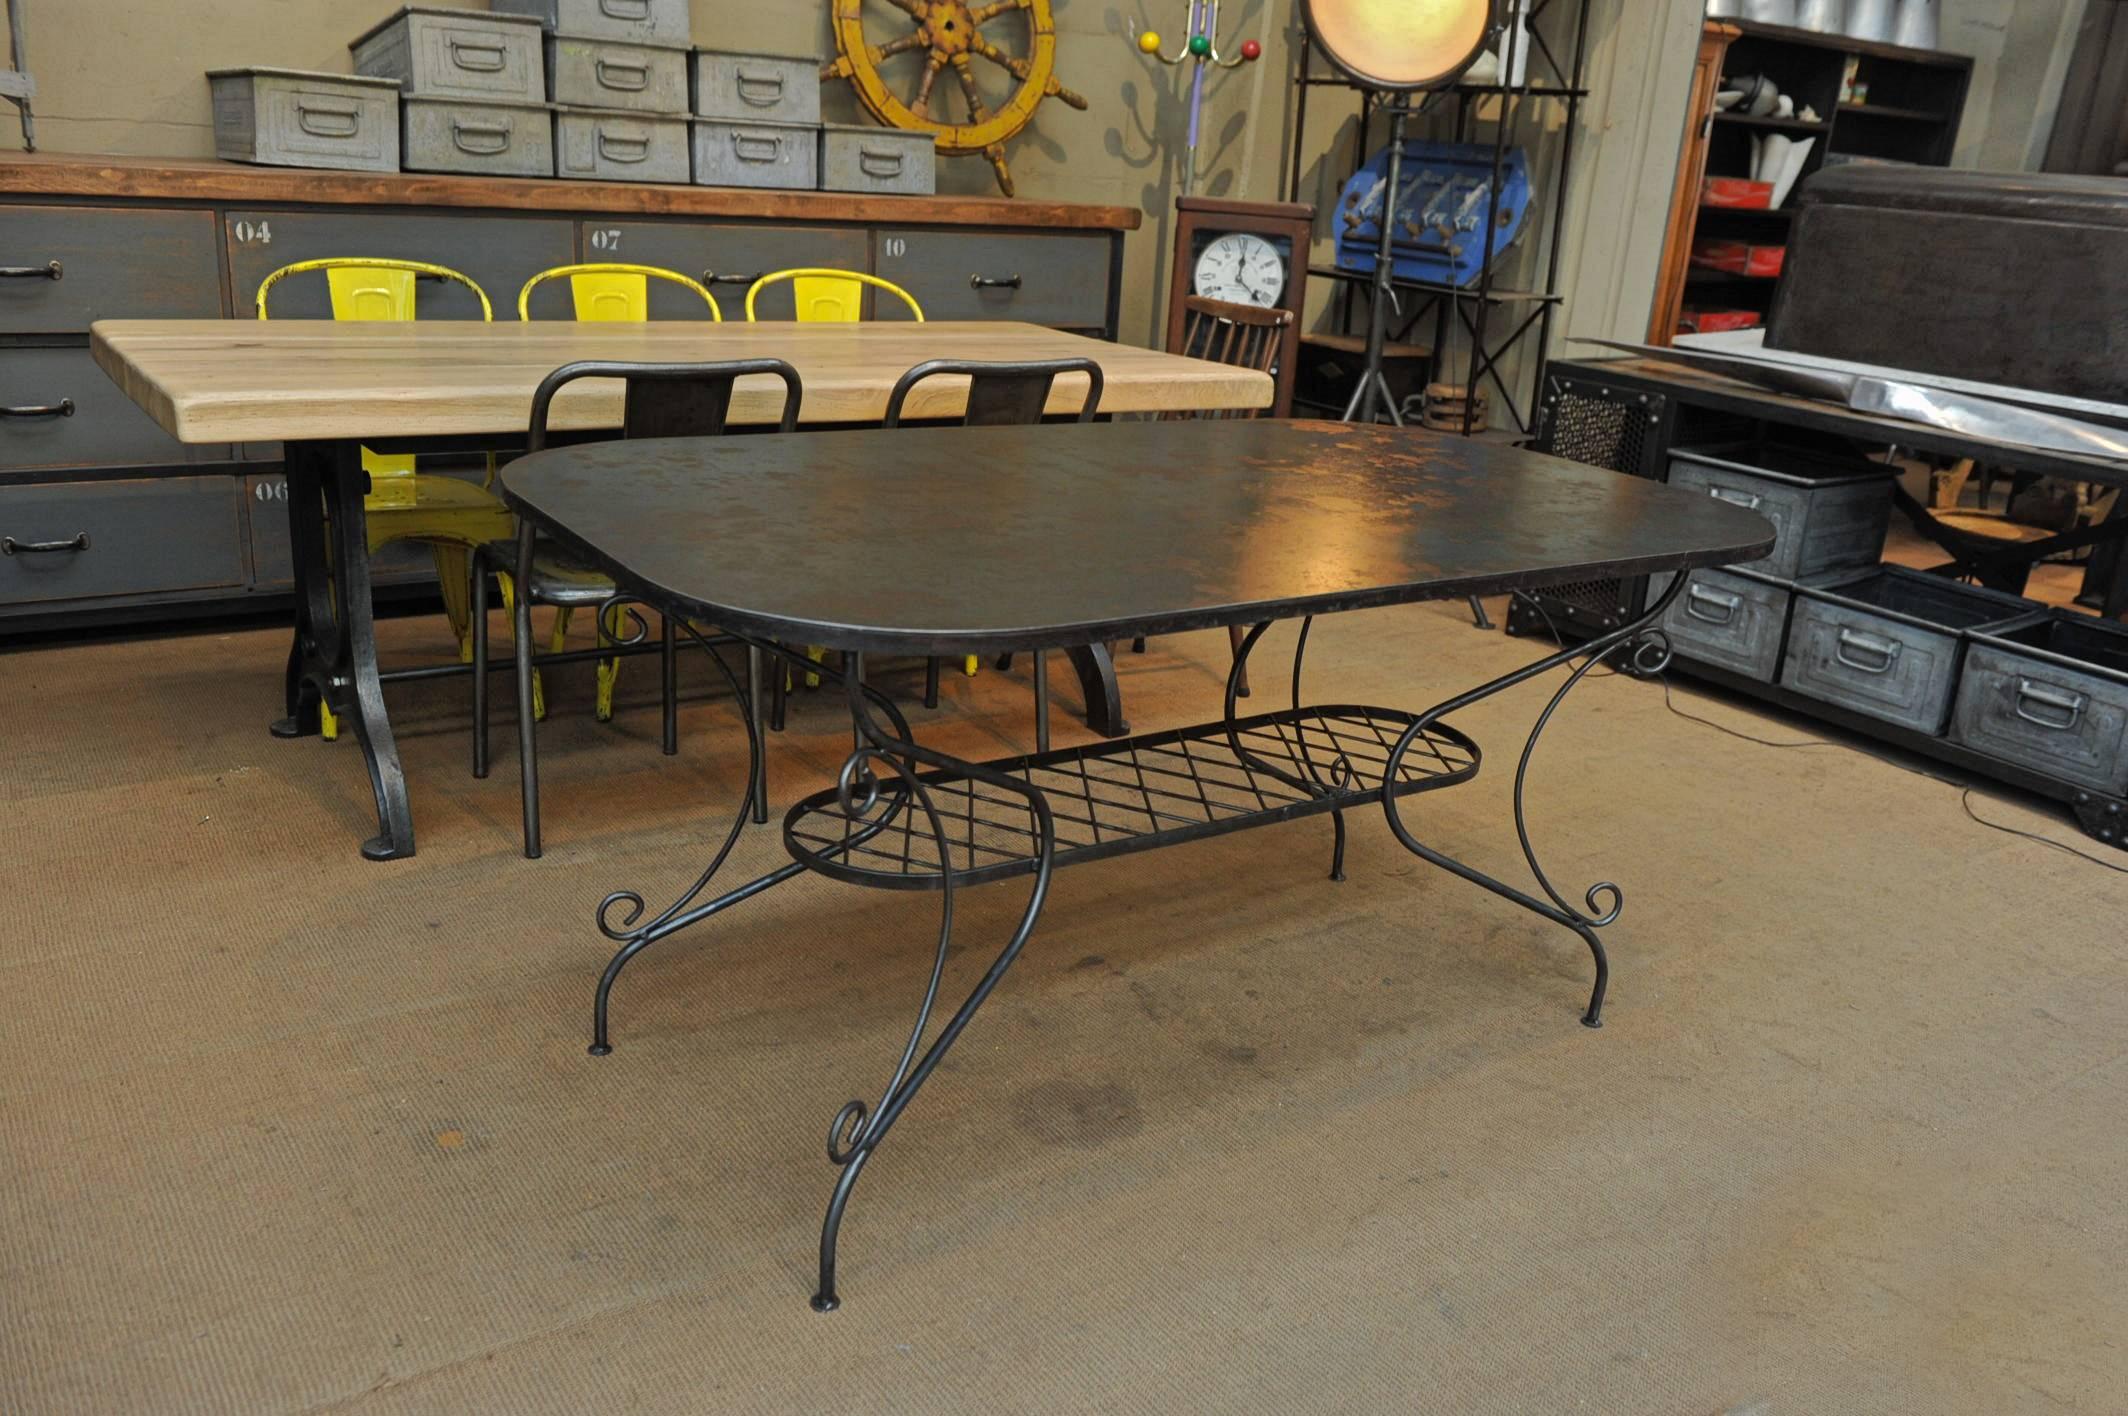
{"points": [[1246, 336]]}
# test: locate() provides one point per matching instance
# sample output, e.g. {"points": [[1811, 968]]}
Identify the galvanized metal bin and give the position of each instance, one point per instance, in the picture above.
{"points": [[629, 21], [1889, 643], [1733, 619], [620, 147], [783, 155], [1828, 514], [878, 160], [756, 88], [485, 139], [599, 73], [2049, 693], [293, 118], [438, 53]]}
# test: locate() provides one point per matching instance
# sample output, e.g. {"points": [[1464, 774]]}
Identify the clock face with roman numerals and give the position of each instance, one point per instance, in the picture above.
{"points": [[1242, 268]]}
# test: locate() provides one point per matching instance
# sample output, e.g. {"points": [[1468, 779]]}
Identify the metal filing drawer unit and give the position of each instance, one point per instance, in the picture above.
{"points": [[62, 268], [878, 160], [2049, 693], [1827, 515], [482, 139], [437, 53], [763, 88], [611, 146], [1734, 619], [290, 118], [598, 73], [83, 540], [630, 21], [783, 155], [1888, 643], [1052, 280]]}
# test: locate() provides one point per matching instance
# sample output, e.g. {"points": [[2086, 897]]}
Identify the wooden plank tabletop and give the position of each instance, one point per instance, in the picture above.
{"points": [[45, 174], [986, 539], [216, 381]]}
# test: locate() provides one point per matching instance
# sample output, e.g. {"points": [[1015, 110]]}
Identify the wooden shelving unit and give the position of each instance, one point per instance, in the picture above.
{"points": [[1915, 101]]}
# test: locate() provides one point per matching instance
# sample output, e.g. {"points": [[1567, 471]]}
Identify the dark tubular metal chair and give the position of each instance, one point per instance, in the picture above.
{"points": [[1001, 394], [661, 401]]}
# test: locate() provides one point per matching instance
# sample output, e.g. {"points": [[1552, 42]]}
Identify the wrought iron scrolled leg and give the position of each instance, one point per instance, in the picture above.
{"points": [[1605, 902], [857, 1130], [635, 936], [669, 654], [754, 671], [1340, 773]]}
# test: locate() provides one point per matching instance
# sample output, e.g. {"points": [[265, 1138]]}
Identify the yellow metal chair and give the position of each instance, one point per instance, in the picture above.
{"points": [[823, 295], [826, 295], [609, 292], [450, 515]]}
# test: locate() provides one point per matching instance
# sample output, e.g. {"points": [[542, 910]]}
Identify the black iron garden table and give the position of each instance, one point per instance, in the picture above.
{"points": [[955, 541]]}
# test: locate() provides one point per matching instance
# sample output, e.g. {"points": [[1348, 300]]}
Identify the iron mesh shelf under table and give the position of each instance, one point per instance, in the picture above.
{"points": [[1132, 794]]}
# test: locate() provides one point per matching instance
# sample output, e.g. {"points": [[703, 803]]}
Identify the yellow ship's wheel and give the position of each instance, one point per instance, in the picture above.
{"points": [[950, 35]]}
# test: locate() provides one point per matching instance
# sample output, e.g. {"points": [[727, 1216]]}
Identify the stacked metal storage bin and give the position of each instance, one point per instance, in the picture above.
{"points": [[473, 96], [293, 118], [756, 120], [618, 71]]}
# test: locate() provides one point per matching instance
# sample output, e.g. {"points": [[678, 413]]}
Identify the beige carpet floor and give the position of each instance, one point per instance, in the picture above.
{"points": [[285, 1130]]}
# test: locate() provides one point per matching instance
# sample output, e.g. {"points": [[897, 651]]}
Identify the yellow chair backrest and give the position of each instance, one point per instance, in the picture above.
{"points": [[823, 295], [375, 288], [609, 291]]}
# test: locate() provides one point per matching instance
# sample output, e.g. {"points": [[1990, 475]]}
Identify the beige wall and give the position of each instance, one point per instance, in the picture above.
{"points": [[124, 76], [2020, 52]]}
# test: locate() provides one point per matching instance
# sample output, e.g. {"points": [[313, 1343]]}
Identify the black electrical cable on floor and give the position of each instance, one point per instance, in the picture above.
{"points": [[1964, 790]]}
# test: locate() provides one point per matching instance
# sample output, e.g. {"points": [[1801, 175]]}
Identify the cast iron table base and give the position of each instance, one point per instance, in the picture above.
{"points": [[902, 816]]}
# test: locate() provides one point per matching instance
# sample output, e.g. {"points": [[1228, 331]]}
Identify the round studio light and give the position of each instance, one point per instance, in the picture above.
{"points": [[1399, 45]]}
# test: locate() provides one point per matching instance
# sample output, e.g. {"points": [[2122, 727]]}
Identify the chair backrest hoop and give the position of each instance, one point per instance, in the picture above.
{"points": [[1001, 394], [667, 400], [391, 299], [825, 295], [613, 291]]}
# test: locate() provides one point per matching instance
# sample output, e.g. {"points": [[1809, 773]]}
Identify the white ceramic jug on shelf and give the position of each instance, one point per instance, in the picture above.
{"points": [[1918, 25]]}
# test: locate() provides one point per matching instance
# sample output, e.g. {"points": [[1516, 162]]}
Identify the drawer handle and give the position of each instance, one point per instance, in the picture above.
{"points": [[760, 90], [480, 139], [710, 277], [1878, 655], [608, 71], [625, 9], [328, 121], [619, 147], [876, 162], [1727, 604], [477, 58], [64, 408], [1735, 498], [754, 148], [2063, 710], [50, 270], [991, 282], [10, 546]]}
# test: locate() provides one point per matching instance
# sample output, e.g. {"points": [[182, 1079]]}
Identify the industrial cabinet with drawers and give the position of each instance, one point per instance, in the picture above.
{"points": [[103, 516], [1985, 680]]}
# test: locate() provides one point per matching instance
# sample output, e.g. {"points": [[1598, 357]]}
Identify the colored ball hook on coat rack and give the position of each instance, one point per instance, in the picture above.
{"points": [[1201, 48]]}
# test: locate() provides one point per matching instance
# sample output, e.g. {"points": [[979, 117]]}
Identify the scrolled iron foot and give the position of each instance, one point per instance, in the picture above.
{"points": [[632, 938], [1648, 651], [879, 776]]}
